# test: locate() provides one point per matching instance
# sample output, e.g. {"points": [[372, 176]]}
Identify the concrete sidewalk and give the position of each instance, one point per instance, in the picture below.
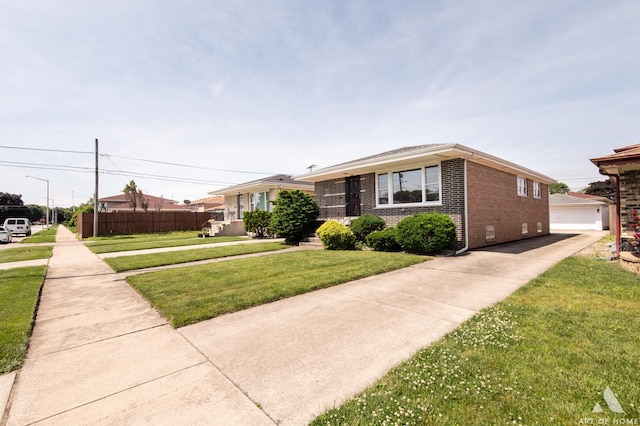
{"points": [[101, 355]]}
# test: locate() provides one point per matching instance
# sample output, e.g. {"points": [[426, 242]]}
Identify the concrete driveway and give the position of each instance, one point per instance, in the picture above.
{"points": [[300, 356], [101, 355]]}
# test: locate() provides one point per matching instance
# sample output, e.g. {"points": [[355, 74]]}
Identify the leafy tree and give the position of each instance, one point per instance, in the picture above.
{"points": [[559, 188], [605, 189], [135, 197], [257, 222], [294, 214], [7, 199], [83, 208]]}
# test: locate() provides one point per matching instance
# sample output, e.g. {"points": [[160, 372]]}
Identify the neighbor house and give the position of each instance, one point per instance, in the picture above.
{"points": [[121, 203], [576, 211], [623, 166], [213, 204], [490, 200], [255, 195]]}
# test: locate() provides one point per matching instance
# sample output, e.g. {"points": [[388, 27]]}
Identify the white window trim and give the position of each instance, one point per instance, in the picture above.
{"points": [[422, 168], [519, 187], [537, 190]]}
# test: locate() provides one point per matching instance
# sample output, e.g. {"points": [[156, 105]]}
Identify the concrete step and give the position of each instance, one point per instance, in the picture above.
{"points": [[312, 243]]}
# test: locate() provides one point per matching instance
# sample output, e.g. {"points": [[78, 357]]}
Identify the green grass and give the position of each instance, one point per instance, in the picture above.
{"points": [[192, 294], [141, 261], [19, 254], [19, 291], [545, 355], [149, 241], [44, 236]]}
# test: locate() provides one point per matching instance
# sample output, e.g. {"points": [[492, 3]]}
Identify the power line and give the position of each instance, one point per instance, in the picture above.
{"points": [[187, 165], [78, 169], [45, 149], [166, 163]]}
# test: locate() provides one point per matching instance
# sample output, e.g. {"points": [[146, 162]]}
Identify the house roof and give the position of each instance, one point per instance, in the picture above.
{"points": [[625, 159], [413, 155], [120, 202], [575, 199], [264, 184], [216, 199]]}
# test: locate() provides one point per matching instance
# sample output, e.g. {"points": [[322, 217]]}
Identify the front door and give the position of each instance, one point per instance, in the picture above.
{"points": [[352, 190]]}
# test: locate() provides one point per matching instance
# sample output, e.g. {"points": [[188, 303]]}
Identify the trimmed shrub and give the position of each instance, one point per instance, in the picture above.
{"points": [[336, 236], [384, 240], [426, 233], [257, 222], [366, 224], [294, 214]]}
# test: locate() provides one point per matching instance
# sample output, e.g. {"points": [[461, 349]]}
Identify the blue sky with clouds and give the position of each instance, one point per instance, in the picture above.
{"points": [[275, 86]]}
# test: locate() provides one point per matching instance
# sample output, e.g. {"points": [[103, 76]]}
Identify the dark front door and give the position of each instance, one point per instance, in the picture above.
{"points": [[352, 189]]}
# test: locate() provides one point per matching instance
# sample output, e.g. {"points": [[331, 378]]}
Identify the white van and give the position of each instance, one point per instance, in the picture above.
{"points": [[18, 225]]}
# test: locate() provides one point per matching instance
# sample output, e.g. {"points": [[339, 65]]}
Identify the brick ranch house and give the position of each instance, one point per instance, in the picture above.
{"points": [[255, 195], [490, 200]]}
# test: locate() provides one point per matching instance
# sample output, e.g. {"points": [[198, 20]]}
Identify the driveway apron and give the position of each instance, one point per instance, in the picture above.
{"points": [[100, 354]]}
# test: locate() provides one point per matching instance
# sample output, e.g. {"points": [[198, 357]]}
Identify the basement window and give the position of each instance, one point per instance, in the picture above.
{"points": [[490, 233]]}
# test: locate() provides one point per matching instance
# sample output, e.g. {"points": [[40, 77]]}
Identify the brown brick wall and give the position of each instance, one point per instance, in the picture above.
{"points": [[494, 201], [629, 198], [330, 196]]}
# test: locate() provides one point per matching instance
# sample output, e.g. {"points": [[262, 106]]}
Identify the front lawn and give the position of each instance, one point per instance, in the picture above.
{"points": [[149, 241], [19, 292], [44, 236], [141, 261], [19, 254], [543, 356], [192, 294]]}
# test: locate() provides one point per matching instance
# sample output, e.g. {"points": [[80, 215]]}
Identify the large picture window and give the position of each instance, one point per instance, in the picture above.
{"points": [[407, 187], [413, 186]]}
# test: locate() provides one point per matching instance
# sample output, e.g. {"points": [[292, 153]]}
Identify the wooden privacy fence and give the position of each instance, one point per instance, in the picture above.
{"points": [[124, 223]]}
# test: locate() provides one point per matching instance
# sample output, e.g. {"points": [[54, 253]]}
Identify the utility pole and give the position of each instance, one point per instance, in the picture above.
{"points": [[95, 198]]}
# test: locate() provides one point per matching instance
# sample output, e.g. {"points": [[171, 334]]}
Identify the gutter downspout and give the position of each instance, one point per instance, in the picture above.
{"points": [[466, 213]]}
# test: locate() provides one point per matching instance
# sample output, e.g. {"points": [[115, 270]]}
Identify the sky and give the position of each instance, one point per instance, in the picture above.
{"points": [[189, 96]]}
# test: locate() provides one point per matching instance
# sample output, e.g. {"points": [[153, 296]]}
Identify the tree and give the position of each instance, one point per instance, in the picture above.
{"points": [[605, 189], [559, 188], [7, 199], [294, 214], [135, 197]]}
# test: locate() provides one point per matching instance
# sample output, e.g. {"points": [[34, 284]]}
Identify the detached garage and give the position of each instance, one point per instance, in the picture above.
{"points": [[577, 211]]}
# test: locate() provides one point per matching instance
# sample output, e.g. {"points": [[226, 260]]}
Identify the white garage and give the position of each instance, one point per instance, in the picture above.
{"points": [[574, 211]]}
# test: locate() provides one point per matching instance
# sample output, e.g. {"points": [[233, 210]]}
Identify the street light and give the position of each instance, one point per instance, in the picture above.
{"points": [[44, 180]]}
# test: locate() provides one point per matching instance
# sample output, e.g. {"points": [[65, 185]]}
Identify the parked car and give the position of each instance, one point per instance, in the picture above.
{"points": [[5, 235], [18, 225]]}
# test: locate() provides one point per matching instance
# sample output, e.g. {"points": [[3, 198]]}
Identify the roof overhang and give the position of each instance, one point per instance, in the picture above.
{"points": [[428, 154], [624, 160], [260, 187]]}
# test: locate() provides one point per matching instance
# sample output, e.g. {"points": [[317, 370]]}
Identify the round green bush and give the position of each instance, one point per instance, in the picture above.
{"points": [[426, 233], [384, 240], [336, 236], [366, 224]]}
